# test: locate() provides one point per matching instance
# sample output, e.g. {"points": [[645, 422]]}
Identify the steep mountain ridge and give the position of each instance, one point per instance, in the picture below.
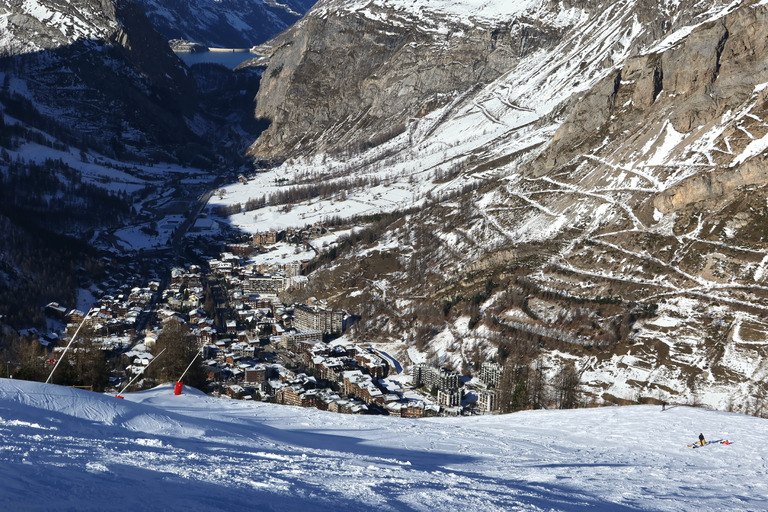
{"points": [[361, 71], [389, 61], [46, 24]]}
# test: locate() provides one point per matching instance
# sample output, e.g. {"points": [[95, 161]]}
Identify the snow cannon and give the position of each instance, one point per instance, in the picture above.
{"points": [[177, 388]]}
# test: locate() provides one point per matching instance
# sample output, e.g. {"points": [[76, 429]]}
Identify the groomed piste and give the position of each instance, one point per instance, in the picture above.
{"points": [[66, 449]]}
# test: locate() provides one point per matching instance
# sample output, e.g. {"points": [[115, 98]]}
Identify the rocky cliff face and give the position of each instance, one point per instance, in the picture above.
{"points": [[614, 156], [357, 76], [354, 71]]}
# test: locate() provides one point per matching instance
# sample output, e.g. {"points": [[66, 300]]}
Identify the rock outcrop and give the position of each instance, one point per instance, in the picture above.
{"points": [[354, 78]]}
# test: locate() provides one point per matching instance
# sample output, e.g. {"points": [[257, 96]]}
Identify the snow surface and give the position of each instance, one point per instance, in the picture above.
{"points": [[67, 449], [489, 11]]}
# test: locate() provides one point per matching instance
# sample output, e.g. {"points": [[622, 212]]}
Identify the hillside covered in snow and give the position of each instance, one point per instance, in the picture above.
{"points": [[66, 449], [588, 178]]}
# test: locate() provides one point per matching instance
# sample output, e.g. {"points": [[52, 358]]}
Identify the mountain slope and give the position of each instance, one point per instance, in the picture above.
{"points": [[224, 24], [382, 64], [588, 180], [73, 450], [98, 70]]}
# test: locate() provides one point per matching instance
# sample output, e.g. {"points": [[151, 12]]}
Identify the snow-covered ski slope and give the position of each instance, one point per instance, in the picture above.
{"points": [[66, 449]]}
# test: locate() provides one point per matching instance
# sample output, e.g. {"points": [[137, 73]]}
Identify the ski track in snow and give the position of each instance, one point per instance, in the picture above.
{"points": [[65, 449]]}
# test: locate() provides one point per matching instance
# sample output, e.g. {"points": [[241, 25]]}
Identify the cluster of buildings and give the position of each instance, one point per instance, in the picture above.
{"points": [[252, 295], [338, 376], [447, 386], [341, 372], [185, 290], [110, 316], [256, 347], [266, 238], [260, 279]]}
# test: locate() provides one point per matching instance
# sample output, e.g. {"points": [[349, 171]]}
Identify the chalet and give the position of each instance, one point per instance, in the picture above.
{"points": [[348, 406], [360, 385], [372, 364], [272, 386], [242, 349], [76, 316], [256, 375], [412, 409], [235, 391], [150, 339], [205, 334], [289, 395], [306, 346], [341, 348], [195, 316], [177, 275], [54, 310], [232, 358], [242, 250], [329, 369]]}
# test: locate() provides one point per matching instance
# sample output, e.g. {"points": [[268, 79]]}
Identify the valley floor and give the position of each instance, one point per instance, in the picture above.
{"points": [[66, 449]]}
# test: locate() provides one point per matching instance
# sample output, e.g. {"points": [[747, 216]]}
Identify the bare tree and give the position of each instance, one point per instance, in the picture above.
{"points": [[536, 393], [181, 349], [31, 360], [566, 387]]}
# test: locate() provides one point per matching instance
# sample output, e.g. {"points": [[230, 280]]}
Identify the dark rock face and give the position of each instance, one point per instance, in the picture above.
{"points": [[692, 85], [100, 69], [224, 24]]}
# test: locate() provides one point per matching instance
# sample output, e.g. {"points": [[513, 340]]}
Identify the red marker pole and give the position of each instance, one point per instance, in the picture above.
{"points": [[179, 384]]}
